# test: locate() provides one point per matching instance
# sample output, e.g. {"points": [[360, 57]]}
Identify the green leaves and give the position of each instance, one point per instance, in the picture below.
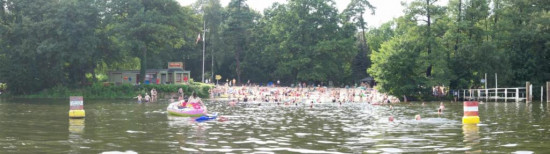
{"points": [[55, 43]]}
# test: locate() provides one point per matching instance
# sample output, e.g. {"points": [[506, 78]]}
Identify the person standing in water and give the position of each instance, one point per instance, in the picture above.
{"points": [[195, 101], [147, 97], [153, 95], [180, 92], [139, 98]]}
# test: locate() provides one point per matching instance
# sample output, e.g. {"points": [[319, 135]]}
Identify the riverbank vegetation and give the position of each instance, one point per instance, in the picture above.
{"points": [[67, 44], [106, 90]]}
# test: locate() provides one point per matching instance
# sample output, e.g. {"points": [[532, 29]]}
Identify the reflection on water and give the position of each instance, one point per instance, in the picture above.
{"points": [[76, 126], [76, 129], [36, 126]]}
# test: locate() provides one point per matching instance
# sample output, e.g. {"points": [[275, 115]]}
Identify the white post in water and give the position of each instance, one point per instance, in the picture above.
{"points": [[486, 94], [527, 91], [496, 87], [470, 91], [496, 94], [517, 94], [541, 93], [496, 81], [505, 95]]}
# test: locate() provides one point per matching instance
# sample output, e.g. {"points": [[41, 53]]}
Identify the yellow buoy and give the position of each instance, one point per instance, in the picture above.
{"points": [[470, 120], [77, 114]]}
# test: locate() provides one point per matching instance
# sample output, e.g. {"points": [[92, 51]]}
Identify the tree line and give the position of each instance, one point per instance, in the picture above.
{"points": [[70, 43], [457, 44]]}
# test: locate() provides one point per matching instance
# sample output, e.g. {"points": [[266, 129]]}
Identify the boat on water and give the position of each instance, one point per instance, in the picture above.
{"points": [[189, 110]]}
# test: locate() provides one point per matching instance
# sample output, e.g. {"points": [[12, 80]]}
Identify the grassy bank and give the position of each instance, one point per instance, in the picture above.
{"points": [[104, 90]]}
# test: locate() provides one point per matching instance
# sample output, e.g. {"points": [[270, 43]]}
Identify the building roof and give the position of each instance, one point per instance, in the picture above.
{"points": [[171, 70]]}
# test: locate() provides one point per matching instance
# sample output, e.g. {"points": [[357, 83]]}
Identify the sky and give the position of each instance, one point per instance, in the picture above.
{"points": [[386, 10]]}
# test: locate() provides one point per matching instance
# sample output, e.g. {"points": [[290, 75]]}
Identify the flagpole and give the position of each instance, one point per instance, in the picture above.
{"points": [[203, 45]]}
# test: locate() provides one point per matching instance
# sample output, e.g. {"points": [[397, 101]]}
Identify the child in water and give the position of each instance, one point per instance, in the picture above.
{"points": [[183, 104], [138, 98], [147, 97]]}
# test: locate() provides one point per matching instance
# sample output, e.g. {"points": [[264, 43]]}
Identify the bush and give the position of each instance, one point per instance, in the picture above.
{"points": [[102, 90]]}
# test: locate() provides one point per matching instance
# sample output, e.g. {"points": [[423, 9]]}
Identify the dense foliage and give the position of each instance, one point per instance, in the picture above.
{"points": [[105, 90], [459, 43], [68, 43]]}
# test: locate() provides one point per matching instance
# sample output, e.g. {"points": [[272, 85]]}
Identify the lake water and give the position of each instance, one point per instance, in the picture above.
{"points": [[43, 126]]}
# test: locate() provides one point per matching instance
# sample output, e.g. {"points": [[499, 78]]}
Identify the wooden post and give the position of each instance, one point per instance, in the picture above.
{"points": [[527, 92]]}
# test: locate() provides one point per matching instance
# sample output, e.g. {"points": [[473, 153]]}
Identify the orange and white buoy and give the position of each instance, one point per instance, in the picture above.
{"points": [[77, 107], [471, 114]]}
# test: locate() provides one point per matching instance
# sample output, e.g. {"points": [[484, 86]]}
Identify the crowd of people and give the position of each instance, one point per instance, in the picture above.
{"points": [[148, 98], [309, 94]]}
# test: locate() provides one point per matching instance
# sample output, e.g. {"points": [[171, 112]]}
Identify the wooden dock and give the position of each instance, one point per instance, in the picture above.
{"points": [[504, 94]]}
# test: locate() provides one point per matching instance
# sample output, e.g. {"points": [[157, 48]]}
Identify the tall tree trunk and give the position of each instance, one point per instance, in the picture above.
{"points": [[238, 64], [364, 46], [458, 20], [496, 8], [429, 70]]}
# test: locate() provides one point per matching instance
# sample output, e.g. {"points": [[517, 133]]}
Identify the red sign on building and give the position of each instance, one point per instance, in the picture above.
{"points": [[175, 65]]}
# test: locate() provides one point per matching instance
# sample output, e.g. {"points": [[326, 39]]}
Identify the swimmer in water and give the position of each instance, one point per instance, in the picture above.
{"points": [[417, 117], [232, 103], [441, 106], [390, 119]]}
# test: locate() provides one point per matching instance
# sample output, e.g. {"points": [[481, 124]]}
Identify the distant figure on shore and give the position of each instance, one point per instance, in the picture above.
{"points": [[455, 94]]}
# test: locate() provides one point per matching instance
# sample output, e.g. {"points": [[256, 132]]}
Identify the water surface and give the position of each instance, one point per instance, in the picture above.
{"points": [[43, 126]]}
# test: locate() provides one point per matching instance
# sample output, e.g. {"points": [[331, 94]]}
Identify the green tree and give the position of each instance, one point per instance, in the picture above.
{"points": [[239, 20], [398, 68], [147, 28], [306, 43], [355, 12]]}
